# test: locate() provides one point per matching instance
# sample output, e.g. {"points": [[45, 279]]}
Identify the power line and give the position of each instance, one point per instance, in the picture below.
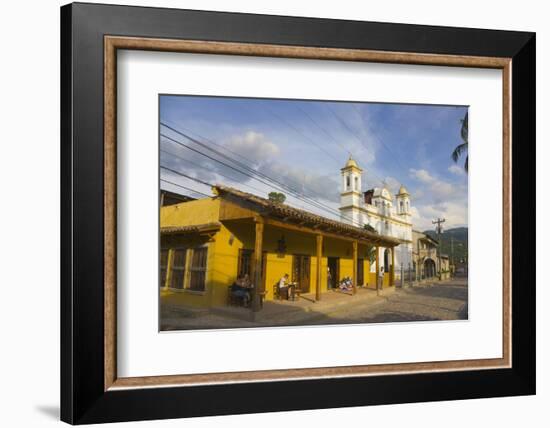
{"points": [[281, 186], [211, 142], [345, 125], [185, 188], [201, 166], [439, 229], [394, 157], [323, 129], [187, 176], [209, 157], [284, 121], [319, 206], [354, 134], [236, 162]]}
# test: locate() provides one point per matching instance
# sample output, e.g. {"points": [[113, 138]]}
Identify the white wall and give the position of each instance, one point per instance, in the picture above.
{"points": [[29, 164]]}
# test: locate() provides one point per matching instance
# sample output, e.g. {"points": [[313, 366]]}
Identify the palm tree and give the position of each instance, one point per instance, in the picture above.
{"points": [[462, 148]]}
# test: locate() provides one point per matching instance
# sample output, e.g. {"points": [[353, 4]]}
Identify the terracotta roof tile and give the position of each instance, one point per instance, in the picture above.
{"points": [[295, 215]]}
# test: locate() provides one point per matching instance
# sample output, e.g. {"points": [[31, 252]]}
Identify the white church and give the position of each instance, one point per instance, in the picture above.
{"points": [[387, 214]]}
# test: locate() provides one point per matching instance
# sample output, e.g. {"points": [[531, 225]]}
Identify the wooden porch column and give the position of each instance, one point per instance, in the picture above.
{"points": [[392, 271], [257, 264], [377, 268], [169, 264], [354, 279], [319, 239]]}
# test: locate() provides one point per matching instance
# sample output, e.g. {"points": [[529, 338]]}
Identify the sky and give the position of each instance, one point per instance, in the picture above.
{"points": [[299, 146]]}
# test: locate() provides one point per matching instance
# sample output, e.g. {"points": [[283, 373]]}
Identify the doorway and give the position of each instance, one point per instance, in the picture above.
{"points": [[244, 266], [333, 274], [360, 272], [429, 268], [301, 272]]}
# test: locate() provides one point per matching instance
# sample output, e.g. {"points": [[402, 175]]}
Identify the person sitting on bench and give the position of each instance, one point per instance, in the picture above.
{"points": [[346, 284], [242, 288], [285, 287]]}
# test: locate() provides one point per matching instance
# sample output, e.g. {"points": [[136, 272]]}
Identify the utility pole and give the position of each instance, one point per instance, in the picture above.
{"points": [[439, 229], [452, 254]]}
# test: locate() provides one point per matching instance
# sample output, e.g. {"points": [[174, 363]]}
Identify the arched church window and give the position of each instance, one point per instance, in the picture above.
{"points": [[356, 184], [347, 182]]}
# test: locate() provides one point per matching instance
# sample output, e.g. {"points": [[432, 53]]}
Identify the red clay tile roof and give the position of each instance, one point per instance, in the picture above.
{"points": [[290, 214], [207, 227]]}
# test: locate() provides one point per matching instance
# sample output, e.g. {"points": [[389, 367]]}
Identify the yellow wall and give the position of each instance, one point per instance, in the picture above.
{"points": [[223, 253], [191, 213], [200, 211], [372, 280]]}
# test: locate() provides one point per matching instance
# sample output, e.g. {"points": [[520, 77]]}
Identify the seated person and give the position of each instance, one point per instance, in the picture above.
{"points": [[346, 284], [241, 288], [285, 286], [244, 281]]}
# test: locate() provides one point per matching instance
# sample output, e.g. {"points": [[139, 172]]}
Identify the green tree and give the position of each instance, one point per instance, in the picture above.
{"points": [[462, 148], [276, 197], [371, 253]]}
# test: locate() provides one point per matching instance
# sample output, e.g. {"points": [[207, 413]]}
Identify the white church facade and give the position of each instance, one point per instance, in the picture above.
{"points": [[387, 214]]}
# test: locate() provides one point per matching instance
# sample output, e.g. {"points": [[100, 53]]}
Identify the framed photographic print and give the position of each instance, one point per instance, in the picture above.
{"points": [[266, 213]]}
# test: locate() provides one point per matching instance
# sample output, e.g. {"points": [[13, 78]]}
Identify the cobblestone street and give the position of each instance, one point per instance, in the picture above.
{"points": [[446, 300], [441, 301]]}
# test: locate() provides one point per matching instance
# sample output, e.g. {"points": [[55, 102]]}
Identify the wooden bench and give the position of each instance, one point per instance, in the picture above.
{"points": [[234, 300]]}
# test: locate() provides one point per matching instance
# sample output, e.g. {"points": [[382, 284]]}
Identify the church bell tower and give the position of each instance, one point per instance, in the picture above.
{"points": [[403, 200], [350, 196]]}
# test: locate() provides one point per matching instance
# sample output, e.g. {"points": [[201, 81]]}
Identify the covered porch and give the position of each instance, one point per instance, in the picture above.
{"points": [[315, 251]]}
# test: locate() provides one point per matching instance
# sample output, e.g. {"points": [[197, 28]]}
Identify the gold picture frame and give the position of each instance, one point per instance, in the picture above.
{"points": [[114, 43]]}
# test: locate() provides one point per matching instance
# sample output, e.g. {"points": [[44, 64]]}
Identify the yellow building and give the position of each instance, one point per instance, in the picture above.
{"points": [[206, 244], [426, 262]]}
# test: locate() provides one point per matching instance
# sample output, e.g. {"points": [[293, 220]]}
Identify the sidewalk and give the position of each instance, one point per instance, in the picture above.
{"points": [[428, 301], [274, 313]]}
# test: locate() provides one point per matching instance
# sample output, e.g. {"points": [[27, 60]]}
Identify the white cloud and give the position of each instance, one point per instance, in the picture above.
{"points": [[254, 146], [438, 189], [441, 190], [421, 175], [439, 198], [418, 194], [310, 184], [392, 184], [454, 213], [457, 170]]}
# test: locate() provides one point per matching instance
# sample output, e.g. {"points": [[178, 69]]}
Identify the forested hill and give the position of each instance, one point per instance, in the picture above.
{"points": [[460, 242]]}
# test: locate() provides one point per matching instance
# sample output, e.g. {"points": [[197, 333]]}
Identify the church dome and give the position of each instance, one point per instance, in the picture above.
{"points": [[402, 191], [351, 163]]}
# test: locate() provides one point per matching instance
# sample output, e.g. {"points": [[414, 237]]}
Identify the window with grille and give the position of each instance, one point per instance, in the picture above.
{"points": [[198, 269], [178, 268], [245, 262], [163, 266]]}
